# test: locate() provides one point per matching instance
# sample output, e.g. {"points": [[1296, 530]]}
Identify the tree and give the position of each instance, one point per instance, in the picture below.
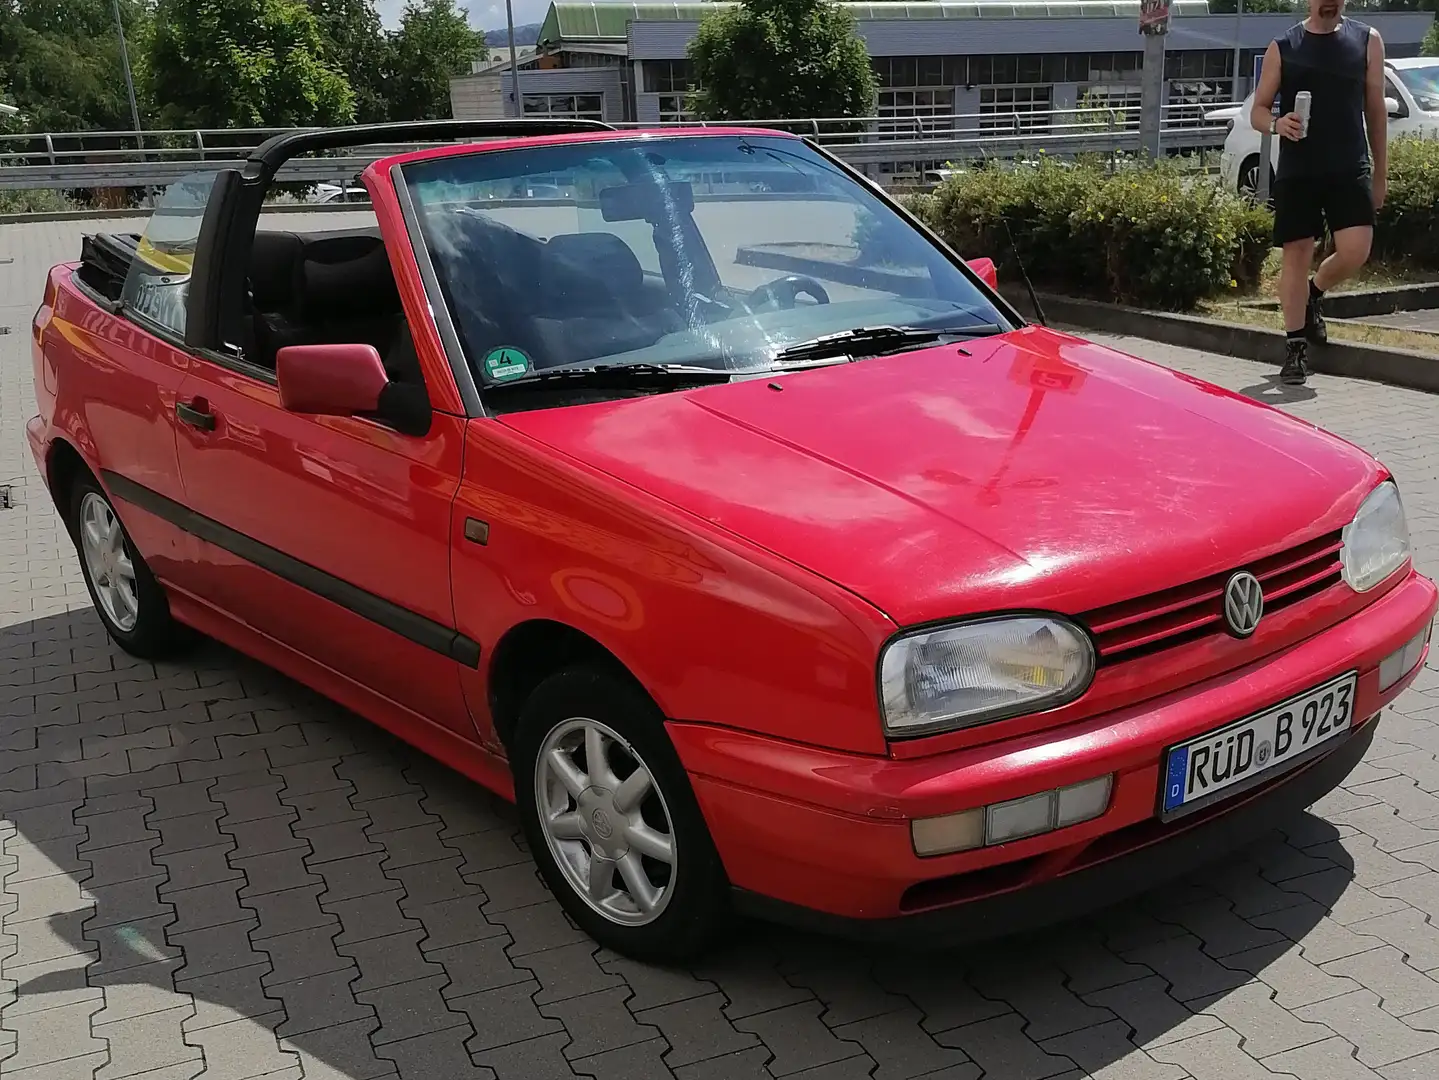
{"points": [[243, 63], [60, 62], [434, 43], [1431, 41], [771, 59], [356, 44]]}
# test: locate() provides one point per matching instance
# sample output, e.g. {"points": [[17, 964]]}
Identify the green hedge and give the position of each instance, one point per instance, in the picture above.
{"points": [[1408, 226], [1144, 234]]}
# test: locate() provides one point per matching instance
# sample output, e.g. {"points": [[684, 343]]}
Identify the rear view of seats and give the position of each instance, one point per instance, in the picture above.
{"points": [[328, 288]]}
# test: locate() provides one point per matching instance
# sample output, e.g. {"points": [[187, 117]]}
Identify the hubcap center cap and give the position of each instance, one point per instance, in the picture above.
{"points": [[602, 823]]}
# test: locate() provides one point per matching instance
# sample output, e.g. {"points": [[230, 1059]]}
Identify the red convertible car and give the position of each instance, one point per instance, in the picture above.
{"points": [[683, 488]]}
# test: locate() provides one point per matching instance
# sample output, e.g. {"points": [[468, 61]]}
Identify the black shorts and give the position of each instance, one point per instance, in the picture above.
{"points": [[1303, 205]]}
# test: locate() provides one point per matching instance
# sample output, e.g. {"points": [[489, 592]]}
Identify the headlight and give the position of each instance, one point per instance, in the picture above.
{"points": [[1376, 542], [957, 676]]}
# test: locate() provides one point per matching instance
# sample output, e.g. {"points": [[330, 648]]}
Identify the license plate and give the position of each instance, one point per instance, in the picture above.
{"points": [[1199, 770]]}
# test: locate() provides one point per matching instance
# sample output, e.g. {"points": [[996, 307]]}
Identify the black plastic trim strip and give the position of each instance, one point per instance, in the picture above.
{"points": [[408, 624]]}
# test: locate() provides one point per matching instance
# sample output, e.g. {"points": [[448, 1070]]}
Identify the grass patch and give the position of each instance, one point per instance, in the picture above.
{"points": [[1339, 330]]}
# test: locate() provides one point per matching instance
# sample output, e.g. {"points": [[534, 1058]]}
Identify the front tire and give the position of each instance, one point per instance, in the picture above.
{"points": [[125, 593], [612, 821]]}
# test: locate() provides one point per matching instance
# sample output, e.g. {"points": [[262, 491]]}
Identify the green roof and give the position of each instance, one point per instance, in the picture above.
{"points": [[601, 21]]}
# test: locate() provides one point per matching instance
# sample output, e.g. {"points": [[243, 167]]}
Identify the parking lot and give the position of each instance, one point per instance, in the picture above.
{"points": [[208, 869]]}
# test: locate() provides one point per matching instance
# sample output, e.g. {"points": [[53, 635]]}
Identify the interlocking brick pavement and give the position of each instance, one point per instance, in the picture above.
{"points": [[207, 869]]}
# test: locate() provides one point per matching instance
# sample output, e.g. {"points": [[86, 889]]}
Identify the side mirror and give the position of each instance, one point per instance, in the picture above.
{"points": [[1395, 108], [331, 380], [986, 270]]}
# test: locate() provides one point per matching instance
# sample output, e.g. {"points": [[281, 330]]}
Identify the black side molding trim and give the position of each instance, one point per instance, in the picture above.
{"points": [[409, 625]]}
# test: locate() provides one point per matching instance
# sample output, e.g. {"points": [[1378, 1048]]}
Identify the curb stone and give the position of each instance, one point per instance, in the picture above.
{"points": [[1396, 367]]}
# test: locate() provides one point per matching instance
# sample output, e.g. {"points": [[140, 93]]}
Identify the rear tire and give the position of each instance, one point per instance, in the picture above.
{"points": [[619, 839], [128, 599]]}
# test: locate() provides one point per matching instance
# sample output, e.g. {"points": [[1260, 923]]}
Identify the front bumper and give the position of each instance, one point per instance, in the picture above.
{"points": [[828, 833], [1190, 845]]}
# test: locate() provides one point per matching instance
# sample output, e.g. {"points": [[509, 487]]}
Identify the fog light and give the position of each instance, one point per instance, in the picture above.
{"points": [[1016, 819], [953, 832], [1019, 818], [1396, 665], [1084, 802]]}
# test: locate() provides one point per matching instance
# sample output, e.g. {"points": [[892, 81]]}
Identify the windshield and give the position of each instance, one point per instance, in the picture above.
{"points": [[1423, 83], [711, 251]]}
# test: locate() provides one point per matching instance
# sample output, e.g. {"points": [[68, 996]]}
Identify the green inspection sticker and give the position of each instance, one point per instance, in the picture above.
{"points": [[506, 363]]}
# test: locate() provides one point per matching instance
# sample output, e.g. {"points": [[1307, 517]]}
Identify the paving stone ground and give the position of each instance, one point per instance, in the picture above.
{"points": [[207, 869]]}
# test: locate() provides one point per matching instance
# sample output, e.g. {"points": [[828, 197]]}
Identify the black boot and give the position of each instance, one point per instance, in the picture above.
{"points": [[1315, 329], [1296, 362]]}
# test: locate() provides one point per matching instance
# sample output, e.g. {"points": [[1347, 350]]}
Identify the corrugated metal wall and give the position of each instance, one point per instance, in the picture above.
{"points": [[943, 37]]}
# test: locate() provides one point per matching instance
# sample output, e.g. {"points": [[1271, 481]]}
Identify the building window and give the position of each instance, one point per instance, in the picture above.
{"points": [[1028, 107], [1197, 80], [673, 111], [908, 71], [566, 106], [668, 76], [921, 113]]}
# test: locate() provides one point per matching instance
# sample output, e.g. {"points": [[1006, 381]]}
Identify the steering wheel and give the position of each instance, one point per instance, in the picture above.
{"points": [[782, 292]]}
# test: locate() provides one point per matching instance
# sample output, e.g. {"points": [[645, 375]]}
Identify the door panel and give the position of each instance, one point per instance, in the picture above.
{"points": [[125, 421], [329, 534]]}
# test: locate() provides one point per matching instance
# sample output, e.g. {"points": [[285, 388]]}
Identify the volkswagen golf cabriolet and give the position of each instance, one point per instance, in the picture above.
{"points": [[711, 508]]}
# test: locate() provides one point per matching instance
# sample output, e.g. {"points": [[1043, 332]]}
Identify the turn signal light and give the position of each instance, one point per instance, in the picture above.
{"points": [[1017, 819], [1396, 665]]}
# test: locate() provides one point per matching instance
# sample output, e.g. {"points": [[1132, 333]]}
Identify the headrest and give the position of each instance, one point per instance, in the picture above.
{"points": [[366, 284], [595, 262], [272, 269]]}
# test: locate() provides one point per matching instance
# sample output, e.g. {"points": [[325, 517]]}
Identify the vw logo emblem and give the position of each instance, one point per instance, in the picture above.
{"points": [[1243, 604], [601, 822]]}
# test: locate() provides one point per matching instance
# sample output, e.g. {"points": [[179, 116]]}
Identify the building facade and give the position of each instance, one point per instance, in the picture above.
{"points": [[628, 62]]}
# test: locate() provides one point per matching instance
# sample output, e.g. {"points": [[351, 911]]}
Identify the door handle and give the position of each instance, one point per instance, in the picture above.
{"points": [[195, 417]]}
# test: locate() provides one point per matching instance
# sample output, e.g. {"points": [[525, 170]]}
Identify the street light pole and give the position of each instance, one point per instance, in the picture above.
{"points": [[129, 79], [514, 62], [1238, 45]]}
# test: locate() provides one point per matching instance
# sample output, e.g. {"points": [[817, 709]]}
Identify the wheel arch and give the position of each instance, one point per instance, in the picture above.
{"points": [[64, 464], [530, 652]]}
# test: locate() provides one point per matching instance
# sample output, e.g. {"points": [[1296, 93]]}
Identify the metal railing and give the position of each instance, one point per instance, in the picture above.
{"points": [[128, 159]]}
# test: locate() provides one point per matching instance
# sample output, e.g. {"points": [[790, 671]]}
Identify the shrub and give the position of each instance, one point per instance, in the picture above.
{"points": [[38, 201], [1127, 231], [1408, 225]]}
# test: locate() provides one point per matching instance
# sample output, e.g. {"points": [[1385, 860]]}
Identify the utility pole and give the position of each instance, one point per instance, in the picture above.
{"points": [[1153, 26], [514, 61], [129, 79], [1238, 45]]}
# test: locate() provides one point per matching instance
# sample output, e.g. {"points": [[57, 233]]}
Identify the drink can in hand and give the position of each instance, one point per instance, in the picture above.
{"points": [[1303, 102]]}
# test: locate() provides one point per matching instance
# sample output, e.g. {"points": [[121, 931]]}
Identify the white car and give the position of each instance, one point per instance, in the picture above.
{"points": [[1411, 87]]}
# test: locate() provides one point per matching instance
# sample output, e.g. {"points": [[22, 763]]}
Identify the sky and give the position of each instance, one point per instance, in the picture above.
{"points": [[484, 14]]}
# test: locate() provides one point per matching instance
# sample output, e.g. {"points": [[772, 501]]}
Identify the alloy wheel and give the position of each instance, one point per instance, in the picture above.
{"points": [[111, 570], [605, 821]]}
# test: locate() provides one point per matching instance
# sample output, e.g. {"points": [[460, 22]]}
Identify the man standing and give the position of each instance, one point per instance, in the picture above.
{"points": [[1335, 173]]}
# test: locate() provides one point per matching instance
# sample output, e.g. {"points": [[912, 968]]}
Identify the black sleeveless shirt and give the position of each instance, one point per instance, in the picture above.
{"points": [[1332, 67]]}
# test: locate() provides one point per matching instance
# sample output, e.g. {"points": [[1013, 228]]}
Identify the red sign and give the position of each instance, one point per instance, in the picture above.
{"points": [[1153, 17]]}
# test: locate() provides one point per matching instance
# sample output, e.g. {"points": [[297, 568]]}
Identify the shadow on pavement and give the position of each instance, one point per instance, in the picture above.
{"points": [[258, 864], [1273, 392]]}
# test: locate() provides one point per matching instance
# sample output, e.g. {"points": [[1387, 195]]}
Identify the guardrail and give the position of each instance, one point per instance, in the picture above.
{"points": [[128, 159]]}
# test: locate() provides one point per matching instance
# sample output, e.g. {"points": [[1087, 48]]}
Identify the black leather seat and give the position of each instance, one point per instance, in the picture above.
{"points": [[594, 300]]}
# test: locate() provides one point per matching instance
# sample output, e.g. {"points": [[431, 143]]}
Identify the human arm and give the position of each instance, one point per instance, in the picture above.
{"points": [[1261, 114], [1376, 117]]}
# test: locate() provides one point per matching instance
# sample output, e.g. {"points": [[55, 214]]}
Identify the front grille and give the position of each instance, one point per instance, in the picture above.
{"points": [[1190, 612]]}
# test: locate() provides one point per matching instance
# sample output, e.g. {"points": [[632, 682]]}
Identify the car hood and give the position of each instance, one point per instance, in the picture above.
{"points": [[1031, 470]]}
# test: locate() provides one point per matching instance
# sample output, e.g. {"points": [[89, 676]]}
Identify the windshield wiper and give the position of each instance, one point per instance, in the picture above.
{"points": [[875, 341], [620, 376]]}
